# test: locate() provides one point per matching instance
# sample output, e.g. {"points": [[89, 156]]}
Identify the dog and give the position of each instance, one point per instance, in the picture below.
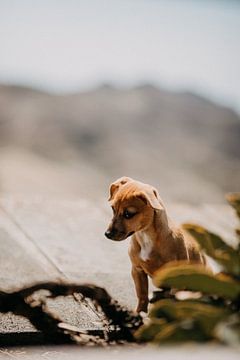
{"points": [[138, 211]]}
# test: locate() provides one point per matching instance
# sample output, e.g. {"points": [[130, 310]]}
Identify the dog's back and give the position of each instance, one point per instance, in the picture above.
{"points": [[193, 251]]}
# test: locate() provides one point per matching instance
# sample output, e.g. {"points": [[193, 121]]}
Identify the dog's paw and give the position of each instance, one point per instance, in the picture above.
{"points": [[144, 316]]}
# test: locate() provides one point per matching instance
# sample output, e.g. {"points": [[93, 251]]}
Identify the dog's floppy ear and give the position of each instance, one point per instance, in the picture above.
{"points": [[116, 185], [151, 196]]}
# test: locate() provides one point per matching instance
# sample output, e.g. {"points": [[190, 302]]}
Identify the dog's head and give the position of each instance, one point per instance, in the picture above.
{"points": [[133, 204]]}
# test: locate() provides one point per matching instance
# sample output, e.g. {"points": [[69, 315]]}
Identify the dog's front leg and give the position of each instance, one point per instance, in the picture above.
{"points": [[141, 285]]}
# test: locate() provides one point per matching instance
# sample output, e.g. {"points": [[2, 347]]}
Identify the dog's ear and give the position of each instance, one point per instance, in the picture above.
{"points": [[116, 185], [151, 197]]}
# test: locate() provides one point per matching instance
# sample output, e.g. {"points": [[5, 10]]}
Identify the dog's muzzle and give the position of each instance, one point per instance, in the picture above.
{"points": [[115, 235]]}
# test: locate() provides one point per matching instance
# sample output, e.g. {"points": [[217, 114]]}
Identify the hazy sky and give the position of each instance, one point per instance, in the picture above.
{"points": [[67, 45]]}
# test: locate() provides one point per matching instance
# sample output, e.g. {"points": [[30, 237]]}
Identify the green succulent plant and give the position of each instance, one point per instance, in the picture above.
{"points": [[213, 312]]}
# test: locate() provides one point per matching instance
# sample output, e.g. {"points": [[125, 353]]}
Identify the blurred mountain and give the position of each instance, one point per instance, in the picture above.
{"points": [[185, 145]]}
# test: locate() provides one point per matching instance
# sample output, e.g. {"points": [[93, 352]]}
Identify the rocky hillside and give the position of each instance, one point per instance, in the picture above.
{"points": [[185, 145]]}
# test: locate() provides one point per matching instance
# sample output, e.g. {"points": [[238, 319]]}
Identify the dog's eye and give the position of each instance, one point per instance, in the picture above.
{"points": [[128, 215]]}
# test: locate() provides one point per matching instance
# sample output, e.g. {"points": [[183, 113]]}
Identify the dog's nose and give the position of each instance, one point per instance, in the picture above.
{"points": [[109, 234]]}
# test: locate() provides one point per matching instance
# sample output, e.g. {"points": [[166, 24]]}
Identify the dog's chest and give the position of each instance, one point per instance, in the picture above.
{"points": [[146, 247]]}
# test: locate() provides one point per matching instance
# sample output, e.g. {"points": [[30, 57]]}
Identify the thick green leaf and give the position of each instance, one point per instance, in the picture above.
{"points": [[149, 331], [205, 315], [175, 332], [158, 331], [216, 248], [187, 320], [185, 276], [184, 320]]}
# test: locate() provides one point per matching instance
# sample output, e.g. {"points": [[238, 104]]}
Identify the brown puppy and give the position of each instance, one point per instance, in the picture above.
{"points": [[139, 211]]}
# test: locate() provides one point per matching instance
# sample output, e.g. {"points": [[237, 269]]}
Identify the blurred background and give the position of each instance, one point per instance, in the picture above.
{"points": [[93, 90]]}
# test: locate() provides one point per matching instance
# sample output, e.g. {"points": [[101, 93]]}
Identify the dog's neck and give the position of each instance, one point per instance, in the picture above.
{"points": [[156, 233]]}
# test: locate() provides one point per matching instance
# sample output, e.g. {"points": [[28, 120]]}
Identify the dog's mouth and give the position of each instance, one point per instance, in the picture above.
{"points": [[122, 236], [131, 233]]}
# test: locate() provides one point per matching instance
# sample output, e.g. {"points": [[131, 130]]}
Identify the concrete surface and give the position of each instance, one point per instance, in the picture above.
{"points": [[42, 239], [179, 352]]}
